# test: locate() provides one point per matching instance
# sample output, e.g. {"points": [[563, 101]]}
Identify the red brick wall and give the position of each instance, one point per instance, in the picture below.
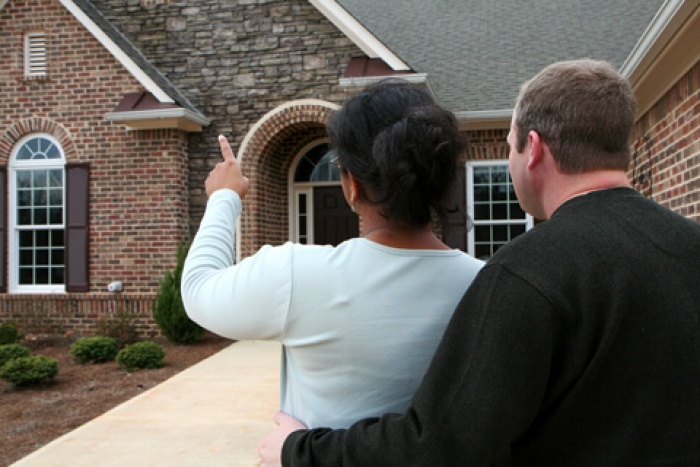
{"points": [[77, 314], [139, 194], [487, 145], [666, 148]]}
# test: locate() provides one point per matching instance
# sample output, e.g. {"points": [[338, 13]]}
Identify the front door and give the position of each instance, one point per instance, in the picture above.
{"points": [[334, 222]]}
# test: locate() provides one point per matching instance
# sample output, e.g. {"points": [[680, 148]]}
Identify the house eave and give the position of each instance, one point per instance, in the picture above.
{"points": [[669, 47], [179, 118], [484, 119], [363, 81]]}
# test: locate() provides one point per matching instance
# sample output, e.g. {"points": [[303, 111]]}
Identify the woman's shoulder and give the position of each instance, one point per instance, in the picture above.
{"points": [[470, 261], [360, 249], [302, 252]]}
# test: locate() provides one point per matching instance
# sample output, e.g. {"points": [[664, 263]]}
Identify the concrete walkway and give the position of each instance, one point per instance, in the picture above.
{"points": [[212, 414]]}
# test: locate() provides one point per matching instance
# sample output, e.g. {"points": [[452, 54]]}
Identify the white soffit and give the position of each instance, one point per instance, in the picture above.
{"points": [[357, 33], [663, 26], [484, 119], [118, 53], [362, 81], [156, 114]]}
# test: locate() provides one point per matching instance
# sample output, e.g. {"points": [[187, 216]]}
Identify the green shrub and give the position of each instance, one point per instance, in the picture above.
{"points": [[11, 351], [121, 327], [168, 310], [9, 333], [141, 355], [96, 349], [27, 371]]}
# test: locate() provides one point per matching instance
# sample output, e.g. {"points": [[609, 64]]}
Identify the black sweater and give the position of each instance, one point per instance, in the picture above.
{"points": [[577, 345]]}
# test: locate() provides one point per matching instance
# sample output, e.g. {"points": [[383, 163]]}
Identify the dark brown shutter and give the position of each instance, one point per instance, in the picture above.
{"points": [[77, 204], [3, 229], [454, 229]]}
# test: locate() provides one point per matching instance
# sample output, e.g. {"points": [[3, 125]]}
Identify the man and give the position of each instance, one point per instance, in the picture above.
{"points": [[579, 342]]}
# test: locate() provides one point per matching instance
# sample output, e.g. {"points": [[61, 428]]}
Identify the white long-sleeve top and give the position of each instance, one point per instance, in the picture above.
{"points": [[359, 322]]}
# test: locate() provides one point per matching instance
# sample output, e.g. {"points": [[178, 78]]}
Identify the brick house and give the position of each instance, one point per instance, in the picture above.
{"points": [[109, 111]]}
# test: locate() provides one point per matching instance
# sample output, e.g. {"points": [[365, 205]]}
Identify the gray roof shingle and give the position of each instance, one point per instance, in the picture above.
{"points": [[478, 52]]}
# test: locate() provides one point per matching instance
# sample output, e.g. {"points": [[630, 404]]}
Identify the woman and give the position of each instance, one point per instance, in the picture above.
{"points": [[359, 322]]}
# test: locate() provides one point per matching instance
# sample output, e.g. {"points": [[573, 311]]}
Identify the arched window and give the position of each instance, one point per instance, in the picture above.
{"points": [[37, 216], [316, 165]]}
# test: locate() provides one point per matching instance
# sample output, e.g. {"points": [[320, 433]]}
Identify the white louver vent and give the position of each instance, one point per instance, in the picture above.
{"points": [[35, 54]]}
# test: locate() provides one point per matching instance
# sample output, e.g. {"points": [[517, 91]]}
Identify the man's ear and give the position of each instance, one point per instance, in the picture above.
{"points": [[537, 149]]}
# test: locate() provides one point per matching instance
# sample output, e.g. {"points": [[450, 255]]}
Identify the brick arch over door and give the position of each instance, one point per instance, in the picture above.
{"points": [[266, 155], [36, 125]]}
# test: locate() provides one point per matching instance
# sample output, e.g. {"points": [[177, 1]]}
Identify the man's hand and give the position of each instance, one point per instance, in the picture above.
{"points": [[227, 174], [270, 450]]}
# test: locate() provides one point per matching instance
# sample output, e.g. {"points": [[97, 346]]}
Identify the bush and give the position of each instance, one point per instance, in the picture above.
{"points": [[122, 328], [168, 310], [141, 355], [11, 351], [96, 349], [27, 371], [9, 333]]}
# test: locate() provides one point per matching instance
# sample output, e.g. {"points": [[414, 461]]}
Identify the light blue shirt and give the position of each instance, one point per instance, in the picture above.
{"points": [[359, 322]]}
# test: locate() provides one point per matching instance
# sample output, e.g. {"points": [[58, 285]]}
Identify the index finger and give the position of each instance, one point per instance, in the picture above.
{"points": [[226, 150]]}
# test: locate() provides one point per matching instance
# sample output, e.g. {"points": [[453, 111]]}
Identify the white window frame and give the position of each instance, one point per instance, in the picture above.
{"points": [[309, 219], [35, 57], [13, 230], [473, 222]]}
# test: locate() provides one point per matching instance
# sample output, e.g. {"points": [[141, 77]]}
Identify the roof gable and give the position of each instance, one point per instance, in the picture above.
{"points": [[367, 41], [130, 57]]}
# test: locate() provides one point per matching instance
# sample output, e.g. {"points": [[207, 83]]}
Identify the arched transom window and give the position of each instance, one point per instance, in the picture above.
{"points": [[316, 165]]}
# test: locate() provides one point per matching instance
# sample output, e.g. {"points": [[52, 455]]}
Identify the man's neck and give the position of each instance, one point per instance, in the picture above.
{"points": [[567, 186]]}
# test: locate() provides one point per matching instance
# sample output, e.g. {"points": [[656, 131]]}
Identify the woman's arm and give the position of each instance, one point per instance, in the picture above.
{"points": [[245, 301]]}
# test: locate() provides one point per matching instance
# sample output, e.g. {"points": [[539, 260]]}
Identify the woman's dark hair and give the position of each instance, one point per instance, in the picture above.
{"points": [[403, 148]]}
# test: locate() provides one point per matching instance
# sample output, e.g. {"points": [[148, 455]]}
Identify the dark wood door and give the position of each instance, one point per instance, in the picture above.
{"points": [[334, 222]]}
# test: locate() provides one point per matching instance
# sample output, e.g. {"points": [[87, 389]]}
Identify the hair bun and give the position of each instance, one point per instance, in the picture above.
{"points": [[416, 159], [402, 146]]}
